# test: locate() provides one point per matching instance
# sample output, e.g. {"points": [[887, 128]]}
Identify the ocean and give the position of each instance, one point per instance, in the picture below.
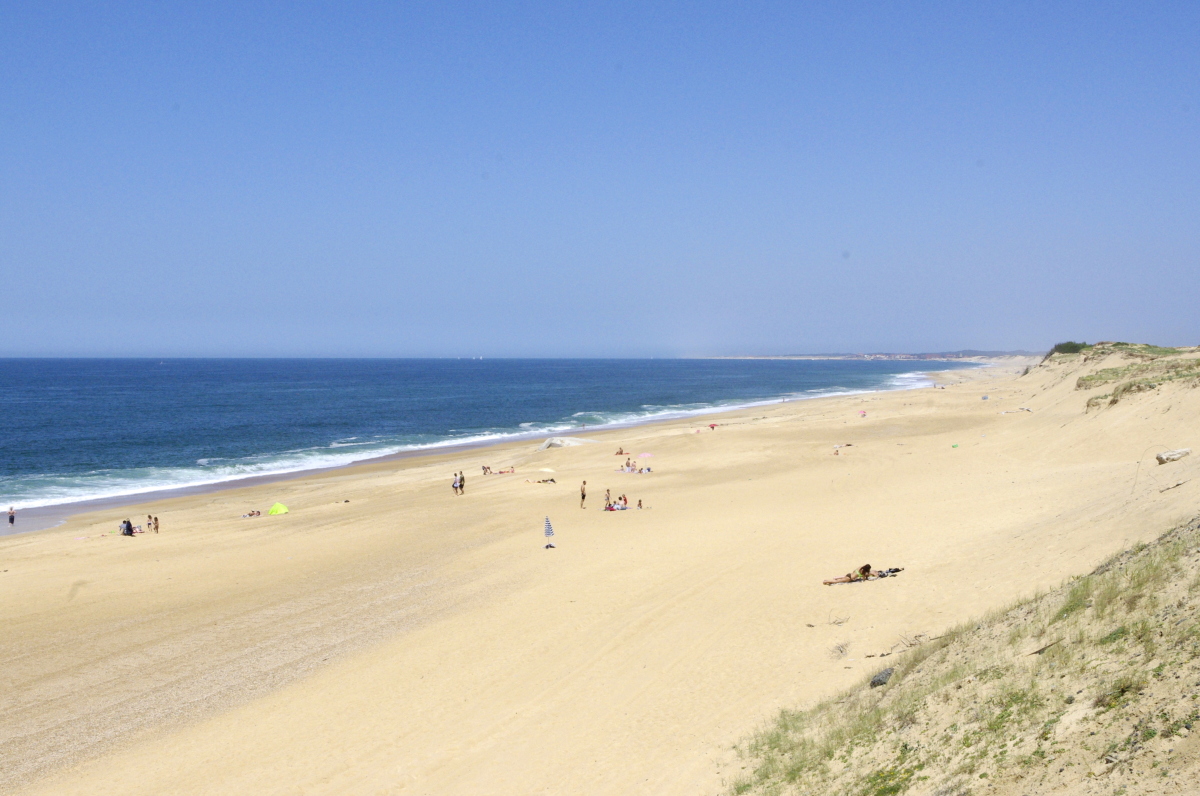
{"points": [[78, 430]]}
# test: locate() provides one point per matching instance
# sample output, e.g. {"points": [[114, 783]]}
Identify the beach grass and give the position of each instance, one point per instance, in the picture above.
{"points": [[977, 706]]}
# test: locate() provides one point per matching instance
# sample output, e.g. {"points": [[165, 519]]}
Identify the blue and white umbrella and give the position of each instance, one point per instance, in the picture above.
{"points": [[549, 532]]}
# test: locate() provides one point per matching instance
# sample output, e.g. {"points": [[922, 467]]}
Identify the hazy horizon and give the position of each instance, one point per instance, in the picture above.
{"points": [[612, 181], [816, 354]]}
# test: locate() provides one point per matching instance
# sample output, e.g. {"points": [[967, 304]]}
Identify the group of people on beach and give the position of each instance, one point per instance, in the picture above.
{"points": [[255, 513], [620, 504], [129, 529], [489, 471], [460, 484], [630, 467]]}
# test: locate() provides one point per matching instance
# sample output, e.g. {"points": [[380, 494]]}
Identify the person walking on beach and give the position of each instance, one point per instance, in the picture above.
{"points": [[582, 494], [156, 524], [462, 483], [12, 517], [454, 486]]}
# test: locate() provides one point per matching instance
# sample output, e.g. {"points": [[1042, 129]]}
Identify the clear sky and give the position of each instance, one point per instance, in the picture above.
{"points": [[659, 179]]}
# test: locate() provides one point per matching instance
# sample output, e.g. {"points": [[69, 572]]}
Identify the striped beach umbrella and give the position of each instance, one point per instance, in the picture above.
{"points": [[549, 532]]}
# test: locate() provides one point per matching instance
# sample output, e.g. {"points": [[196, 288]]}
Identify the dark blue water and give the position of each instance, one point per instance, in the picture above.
{"points": [[72, 430]]}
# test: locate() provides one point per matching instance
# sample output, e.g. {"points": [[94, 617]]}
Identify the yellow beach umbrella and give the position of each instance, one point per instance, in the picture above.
{"points": [[278, 508]]}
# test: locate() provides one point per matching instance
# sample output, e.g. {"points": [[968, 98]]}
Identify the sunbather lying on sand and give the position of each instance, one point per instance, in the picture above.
{"points": [[865, 573]]}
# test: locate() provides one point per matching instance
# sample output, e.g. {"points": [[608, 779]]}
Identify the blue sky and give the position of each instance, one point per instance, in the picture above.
{"points": [[618, 180]]}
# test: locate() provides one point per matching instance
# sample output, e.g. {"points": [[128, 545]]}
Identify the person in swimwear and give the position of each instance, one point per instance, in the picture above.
{"points": [[864, 573]]}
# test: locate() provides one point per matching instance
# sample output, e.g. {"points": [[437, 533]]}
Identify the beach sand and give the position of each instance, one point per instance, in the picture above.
{"points": [[414, 641]]}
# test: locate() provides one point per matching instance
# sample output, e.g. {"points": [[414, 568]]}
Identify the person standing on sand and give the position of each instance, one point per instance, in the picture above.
{"points": [[607, 496], [12, 517], [462, 483], [582, 494], [156, 524], [454, 486]]}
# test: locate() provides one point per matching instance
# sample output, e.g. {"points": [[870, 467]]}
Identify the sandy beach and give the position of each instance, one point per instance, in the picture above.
{"points": [[387, 636]]}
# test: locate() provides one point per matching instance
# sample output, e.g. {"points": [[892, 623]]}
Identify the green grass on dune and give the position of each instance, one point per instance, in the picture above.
{"points": [[983, 703]]}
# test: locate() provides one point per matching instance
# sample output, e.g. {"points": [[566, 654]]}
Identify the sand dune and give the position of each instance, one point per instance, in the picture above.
{"points": [[412, 641]]}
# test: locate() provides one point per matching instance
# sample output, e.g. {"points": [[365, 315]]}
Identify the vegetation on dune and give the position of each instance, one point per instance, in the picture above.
{"points": [[1093, 679], [1069, 347], [1093, 351], [1148, 367], [1148, 373], [1142, 349]]}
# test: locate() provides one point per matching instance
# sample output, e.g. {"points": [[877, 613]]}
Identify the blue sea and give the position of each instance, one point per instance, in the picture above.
{"points": [[74, 430]]}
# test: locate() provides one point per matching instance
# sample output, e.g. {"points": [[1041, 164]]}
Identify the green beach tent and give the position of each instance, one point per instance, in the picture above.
{"points": [[278, 508]]}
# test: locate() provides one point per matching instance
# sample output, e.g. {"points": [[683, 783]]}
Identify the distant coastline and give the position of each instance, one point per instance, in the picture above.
{"points": [[967, 355]]}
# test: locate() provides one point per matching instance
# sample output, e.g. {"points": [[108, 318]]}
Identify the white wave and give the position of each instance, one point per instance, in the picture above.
{"points": [[46, 490], [910, 381]]}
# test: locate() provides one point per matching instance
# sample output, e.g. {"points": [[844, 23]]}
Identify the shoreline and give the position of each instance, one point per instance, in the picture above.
{"points": [[630, 659], [55, 514]]}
